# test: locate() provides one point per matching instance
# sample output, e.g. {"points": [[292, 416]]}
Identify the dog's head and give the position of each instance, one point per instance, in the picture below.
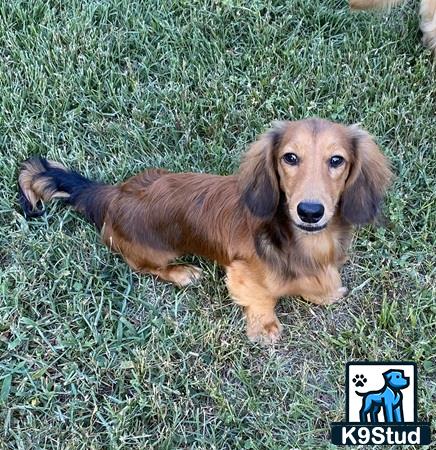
{"points": [[395, 379], [320, 169]]}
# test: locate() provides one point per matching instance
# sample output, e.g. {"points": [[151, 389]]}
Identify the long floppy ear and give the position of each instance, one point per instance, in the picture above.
{"points": [[258, 178], [368, 180]]}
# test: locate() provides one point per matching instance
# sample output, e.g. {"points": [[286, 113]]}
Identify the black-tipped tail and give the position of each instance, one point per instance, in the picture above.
{"points": [[42, 180]]}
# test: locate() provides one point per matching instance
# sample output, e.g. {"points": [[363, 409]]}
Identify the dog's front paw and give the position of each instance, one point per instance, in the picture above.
{"points": [[341, 293], [328, 299], [264, 332]]}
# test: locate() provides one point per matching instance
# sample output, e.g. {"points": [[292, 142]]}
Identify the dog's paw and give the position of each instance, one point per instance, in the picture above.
{"points": [[264, 333], [185, 274], [359, 380], [341, 293], [329, 299]]}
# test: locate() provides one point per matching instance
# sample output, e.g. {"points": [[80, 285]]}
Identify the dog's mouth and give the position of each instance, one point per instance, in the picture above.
{"points": [[311, 228]]}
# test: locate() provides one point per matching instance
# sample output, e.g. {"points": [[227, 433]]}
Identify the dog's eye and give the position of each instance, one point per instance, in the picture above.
{"points": [[291, 159], [336, 161]]}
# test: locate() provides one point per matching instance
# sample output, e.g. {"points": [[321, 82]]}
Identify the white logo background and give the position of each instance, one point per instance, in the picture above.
{"points": [[375, 381]]}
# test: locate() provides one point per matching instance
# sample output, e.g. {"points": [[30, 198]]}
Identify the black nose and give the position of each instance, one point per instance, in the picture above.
{"points": [[310, 212]]}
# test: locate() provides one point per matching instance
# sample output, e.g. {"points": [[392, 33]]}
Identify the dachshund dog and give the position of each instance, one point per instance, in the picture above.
{"points": [[280, 226], [427, 12]]}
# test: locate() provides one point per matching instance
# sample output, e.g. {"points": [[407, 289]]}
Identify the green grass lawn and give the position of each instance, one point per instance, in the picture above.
{"points": [[94, 356]]}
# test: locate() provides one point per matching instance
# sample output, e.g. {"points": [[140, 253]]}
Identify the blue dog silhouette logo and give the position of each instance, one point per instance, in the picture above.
{"points": [[381, 405], [389, 398], [381, 393]]}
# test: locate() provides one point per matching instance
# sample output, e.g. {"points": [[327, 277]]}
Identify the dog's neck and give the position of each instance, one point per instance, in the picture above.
{"points": [[396, 391], [318, 246]]}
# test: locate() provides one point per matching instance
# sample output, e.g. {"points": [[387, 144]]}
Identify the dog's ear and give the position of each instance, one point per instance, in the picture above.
{"points": [[387, 375], [369, 177], [258, 178]]}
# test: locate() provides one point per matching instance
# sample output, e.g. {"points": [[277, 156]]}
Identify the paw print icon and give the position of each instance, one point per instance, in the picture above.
{"points": [[359, 380]]}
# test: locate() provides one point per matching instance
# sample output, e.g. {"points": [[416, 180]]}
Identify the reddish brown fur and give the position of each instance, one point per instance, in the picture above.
{"points": [[247, 222]]}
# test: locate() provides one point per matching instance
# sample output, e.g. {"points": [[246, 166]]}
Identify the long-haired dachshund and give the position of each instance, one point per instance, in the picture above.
{"points": [[280, 226], [427, 11]]}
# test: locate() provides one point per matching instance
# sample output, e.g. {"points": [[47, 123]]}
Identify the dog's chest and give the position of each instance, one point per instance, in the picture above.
{"points": [[321, 248], [294, 255], [397, 399]]}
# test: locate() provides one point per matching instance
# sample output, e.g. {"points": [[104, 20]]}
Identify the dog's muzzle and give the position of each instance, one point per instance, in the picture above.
{"points": [[311, 229]]}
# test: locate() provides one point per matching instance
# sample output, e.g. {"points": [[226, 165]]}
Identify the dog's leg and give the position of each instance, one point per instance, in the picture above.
{"points": [[322, 289], [363, 415], [181, 275], [368, 407], [428, 24], [262, 323], [374, 414], [398, 414], [388, 411], [147, 260], [248, 290]]}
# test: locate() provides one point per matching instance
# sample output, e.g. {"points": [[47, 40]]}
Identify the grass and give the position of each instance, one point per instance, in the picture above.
{"points": [[94, 356]]}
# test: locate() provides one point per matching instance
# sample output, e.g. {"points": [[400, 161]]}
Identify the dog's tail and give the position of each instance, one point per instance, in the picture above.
{"points": [[43, 180], [369, 4]]}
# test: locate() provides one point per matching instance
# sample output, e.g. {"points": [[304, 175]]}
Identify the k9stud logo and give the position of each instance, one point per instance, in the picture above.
{"points": [[381, 406]]}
